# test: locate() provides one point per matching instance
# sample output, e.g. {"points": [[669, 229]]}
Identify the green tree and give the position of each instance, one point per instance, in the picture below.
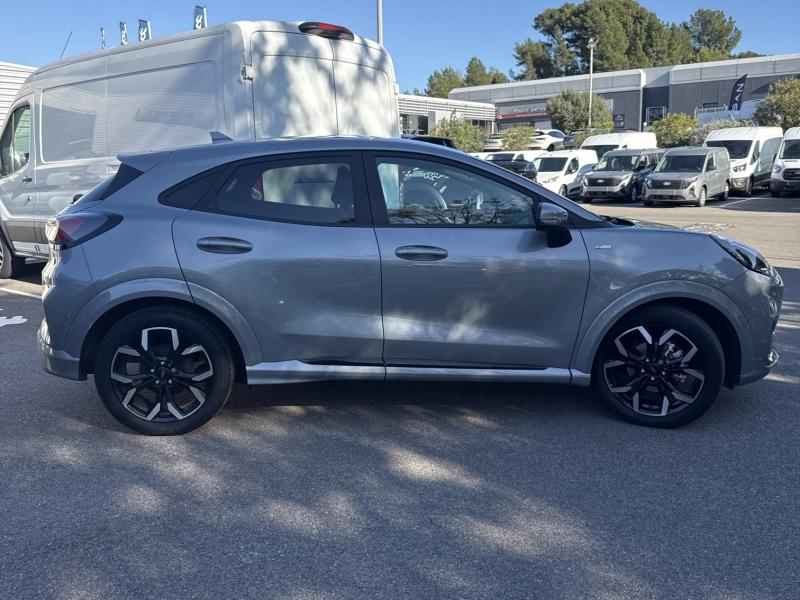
{"points": [[781, 106], [468, 137], [674, 130], [534, 60], [570, 110], [440, 82], [747, 54], [518, 138], [713, 31], [478, 74]]}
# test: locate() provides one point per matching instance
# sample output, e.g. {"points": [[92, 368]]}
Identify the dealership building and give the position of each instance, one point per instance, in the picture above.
{"points": [[420, 114], [639, 97], [11, 79]]}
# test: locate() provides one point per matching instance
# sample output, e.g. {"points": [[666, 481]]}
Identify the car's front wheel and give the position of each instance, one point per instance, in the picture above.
{"points": [[661, 366], [10, 265], [160, 371]]}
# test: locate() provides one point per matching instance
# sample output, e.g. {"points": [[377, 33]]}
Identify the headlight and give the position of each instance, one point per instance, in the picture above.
{"points": [[648, 182], [749, 257], [739, 168], [687, 183], [777, 169]]}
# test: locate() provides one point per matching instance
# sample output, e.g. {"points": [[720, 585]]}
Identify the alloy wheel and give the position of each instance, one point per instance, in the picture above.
{"points": [[654, 371], [161, 375]]}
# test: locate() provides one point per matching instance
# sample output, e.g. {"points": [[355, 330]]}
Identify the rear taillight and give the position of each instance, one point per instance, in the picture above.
{"points": [[326, 30], [69, 230]]}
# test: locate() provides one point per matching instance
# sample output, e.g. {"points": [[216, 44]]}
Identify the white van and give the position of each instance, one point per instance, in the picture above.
{"points": [[786, 170], [247, 80], [752, 151], [634, 140], [557, 170]]}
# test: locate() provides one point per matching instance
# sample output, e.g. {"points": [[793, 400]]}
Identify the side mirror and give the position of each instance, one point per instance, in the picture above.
{"points": [[755, 158], [550, 216]]}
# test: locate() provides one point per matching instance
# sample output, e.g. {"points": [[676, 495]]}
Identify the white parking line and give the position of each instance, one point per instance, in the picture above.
{"points": [[19, 293], [739, 201]]}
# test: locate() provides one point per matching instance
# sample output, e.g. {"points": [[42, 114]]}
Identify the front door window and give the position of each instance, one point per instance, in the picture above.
{"points": [[15, 143]]}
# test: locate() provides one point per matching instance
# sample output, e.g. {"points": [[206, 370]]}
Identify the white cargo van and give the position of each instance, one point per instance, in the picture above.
{"points": [[786, 170], [559, 170], [247, 80], [752, 151], [634, 140]]}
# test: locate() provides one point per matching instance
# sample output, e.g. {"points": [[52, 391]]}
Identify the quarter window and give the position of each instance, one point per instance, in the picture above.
{"points": [[421, 192], [15, 144], [310, 191]]}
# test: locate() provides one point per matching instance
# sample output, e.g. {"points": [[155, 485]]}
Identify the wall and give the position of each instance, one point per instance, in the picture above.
{"points": [[11, 79]]}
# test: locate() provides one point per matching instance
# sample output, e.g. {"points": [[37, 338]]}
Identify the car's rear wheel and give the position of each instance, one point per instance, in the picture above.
{"points": [[10, 265], [661, 366], [648, 203], [163, 372]]}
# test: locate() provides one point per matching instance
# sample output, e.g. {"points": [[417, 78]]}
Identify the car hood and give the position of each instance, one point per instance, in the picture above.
{"points": [[673, 176], [608, 174]]}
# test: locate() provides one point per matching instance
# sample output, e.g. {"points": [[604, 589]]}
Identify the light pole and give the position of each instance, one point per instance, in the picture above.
{"points": [[592, 44], [380, 22]]}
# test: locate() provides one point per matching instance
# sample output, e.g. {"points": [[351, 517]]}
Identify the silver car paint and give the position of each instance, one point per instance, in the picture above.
{"points": [[312, 293]]}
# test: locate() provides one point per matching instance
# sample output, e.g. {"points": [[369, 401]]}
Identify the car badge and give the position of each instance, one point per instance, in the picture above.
{"points": [[601, 181], [667, 183]]}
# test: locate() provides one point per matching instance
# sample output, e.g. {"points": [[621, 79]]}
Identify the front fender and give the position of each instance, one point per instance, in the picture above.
{"points": [[592, 334], [162, 288]]}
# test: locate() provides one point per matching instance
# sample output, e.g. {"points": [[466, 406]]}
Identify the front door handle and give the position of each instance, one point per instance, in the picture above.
{"points": [[224, 245], [27, 179], [421, 253]]}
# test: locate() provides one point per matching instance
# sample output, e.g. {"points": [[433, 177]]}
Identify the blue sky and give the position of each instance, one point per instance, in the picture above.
{"points": [[420, 34]]}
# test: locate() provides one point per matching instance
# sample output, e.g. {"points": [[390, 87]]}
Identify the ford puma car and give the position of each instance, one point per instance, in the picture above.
{"points": [[377, 259]]}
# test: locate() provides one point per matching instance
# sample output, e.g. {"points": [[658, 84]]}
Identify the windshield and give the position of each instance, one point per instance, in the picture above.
{"points": [[617, 163], [791, 149], [550, 164], [601, 150], [736, 148], [681, 163]]}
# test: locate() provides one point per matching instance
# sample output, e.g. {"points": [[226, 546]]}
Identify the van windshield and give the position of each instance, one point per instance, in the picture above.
{"points": [[736, 148], [601, 150], [681, 163], [617, 163], [791, 149], [550, 164]]}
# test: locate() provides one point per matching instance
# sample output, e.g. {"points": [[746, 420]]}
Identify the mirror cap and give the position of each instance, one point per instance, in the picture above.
{"points": [[551, 216]]}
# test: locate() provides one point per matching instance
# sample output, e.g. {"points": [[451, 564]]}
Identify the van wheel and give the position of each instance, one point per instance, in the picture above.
{"points": [[662, 366], [163, 372], [774, 191], [10, 265], [634, 197], [748, 190], [648, 202], [726, 193], [701, 201]]}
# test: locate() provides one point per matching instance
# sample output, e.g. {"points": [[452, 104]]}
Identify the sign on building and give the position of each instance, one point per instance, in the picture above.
{"points": [[123, 33], [145, 31], [200, 17]]}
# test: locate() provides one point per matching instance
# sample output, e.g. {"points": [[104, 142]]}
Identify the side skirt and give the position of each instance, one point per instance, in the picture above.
{"points": [[294, 371]]}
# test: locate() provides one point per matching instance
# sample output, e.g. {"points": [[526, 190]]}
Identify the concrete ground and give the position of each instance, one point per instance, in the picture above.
{"points": [[369, 490]]}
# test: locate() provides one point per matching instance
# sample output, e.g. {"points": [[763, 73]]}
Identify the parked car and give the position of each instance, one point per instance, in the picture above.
{"points": [[574, 187], [689, 175], [786, 171], [557, 170], [638, 140], [361, 258], [493, 143], [547, 139], [431, 139], [569, 139], [620, 174], [752, 152], [513, 161], [247, 80]]}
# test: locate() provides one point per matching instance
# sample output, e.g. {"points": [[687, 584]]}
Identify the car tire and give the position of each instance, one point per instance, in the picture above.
{"points": [[634, 196], [10, 265], [160, 371], [748, 190], [563, 191], [648, 202], [774, 191], [550, 148], [726, 192], [701, 201], [630, 380]]}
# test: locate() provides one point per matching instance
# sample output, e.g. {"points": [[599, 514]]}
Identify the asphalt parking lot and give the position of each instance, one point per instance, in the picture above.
{"points": [[368, 490]]}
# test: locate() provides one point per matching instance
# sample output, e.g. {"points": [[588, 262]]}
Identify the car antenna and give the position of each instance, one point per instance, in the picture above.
{"points": [[69, 37]]}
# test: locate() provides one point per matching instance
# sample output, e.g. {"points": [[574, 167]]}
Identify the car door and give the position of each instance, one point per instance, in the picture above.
{"points": [[17, 187], [467, 279], [288, 243]]}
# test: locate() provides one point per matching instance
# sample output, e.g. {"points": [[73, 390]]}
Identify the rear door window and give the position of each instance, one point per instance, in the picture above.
{"points": [[311, 191]]}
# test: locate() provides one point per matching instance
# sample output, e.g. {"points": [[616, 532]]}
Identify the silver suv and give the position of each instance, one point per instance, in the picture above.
{"points": [[689, 175], [347, 258]]}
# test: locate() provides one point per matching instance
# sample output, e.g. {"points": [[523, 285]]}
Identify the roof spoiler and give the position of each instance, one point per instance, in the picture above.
{"points": [[219, 138]]}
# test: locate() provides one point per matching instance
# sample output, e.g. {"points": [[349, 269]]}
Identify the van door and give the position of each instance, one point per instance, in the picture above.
{"points": [[293, 85], [766, 159], [17, 187]]}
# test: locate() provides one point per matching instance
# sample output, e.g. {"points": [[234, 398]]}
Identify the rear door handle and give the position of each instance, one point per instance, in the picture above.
{"points": [[421, 253], [224, 245]]}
